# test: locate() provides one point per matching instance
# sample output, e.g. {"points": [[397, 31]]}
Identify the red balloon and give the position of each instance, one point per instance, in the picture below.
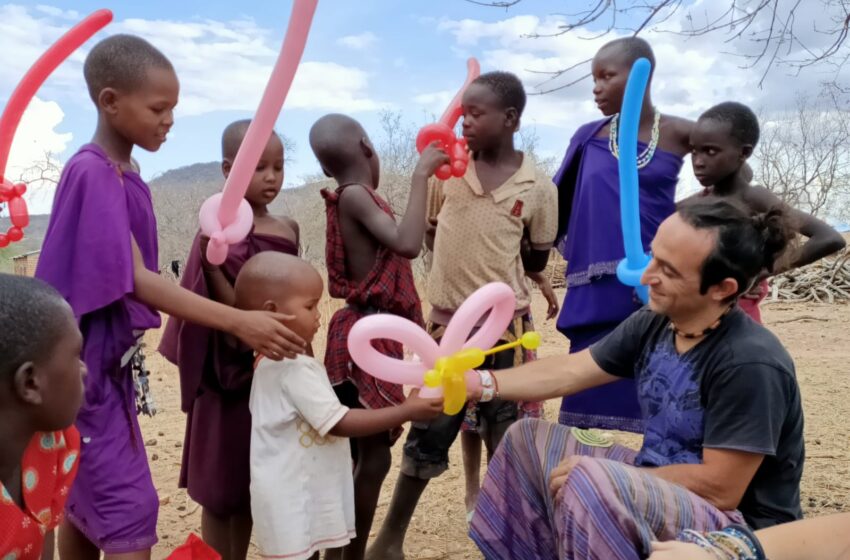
{"points": [[438, 132], [443, 131], [444, 172], [38, 73], [18, 102], [18, 212], [15, 234]]}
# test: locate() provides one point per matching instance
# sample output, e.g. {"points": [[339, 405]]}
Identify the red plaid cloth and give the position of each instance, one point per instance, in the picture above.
{"points": [[389, 288]]}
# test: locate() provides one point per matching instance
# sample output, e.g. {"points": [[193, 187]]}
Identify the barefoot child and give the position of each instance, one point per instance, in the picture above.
{"points": [[482, 220], [41, 389], [302, 491], [722, 140], [100, 253], [215, 373], [368, 260]]}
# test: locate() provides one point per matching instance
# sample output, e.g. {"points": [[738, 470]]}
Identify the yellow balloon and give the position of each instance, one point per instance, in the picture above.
{"points": [[531, 340]]}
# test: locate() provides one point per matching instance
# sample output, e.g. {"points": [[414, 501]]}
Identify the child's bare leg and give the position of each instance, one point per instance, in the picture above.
{"points": [[471, 446], [73, 545], [389, 543], [240, 534], [215, 531], [373, 464]]}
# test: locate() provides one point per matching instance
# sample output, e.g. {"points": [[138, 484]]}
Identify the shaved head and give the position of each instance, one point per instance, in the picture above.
{"points": [[121, 62], [629, 49], [232, 137], [273, 276], [336, 141]]}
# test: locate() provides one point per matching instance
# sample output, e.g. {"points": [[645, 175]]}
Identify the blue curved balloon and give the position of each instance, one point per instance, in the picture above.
{"points": [[630, 269]]}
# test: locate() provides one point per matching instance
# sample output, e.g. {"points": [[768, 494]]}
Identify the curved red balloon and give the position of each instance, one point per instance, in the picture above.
{"points": [[442, 131], [20, 99]]}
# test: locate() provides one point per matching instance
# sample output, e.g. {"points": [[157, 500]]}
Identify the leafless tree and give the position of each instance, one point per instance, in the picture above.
{"points": [[529, 141], [803, 156], [766, 34], [40, 177]]}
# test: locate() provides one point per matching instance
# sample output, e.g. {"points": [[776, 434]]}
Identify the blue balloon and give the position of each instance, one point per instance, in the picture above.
{"points": [[630, 269]]}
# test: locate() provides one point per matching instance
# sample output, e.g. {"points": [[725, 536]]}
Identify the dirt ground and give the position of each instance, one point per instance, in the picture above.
{"points": [[818, 337]]}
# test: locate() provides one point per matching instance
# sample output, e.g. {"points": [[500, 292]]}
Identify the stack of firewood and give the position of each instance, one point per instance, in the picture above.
{"points": [[826, 281]]}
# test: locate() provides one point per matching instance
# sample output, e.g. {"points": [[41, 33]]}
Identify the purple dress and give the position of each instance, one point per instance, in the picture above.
{"points": [[215, 386], [596, 301], [87, 256]]}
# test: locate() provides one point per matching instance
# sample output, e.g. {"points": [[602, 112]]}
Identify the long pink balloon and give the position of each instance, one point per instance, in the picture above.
{"points": [[496, 301], [39, 72], [224, 217]]}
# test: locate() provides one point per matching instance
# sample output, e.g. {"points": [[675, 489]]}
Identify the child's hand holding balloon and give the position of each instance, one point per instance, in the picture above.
{"points": [[420, 409], [431, 159]]}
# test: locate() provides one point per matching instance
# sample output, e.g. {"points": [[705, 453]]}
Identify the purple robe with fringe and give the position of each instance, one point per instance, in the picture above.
{"points": [[87, 256], [596, 301]]}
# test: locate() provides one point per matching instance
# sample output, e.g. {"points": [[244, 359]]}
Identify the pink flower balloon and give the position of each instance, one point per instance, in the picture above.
{"points": [[495, 301]]}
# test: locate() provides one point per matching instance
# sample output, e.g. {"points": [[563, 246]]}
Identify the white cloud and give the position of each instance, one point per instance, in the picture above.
{"points": [[359, 42], [435, 101], [37, 137], [692, 75], [26, 34], [222, 65], [226, 65]]}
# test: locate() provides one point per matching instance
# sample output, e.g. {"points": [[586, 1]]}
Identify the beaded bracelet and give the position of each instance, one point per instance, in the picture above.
{"points": [[735, 542]]}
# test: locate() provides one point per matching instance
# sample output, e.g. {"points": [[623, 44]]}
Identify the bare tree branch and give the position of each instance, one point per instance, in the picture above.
{"points": [[780, 37], [804, 156]]}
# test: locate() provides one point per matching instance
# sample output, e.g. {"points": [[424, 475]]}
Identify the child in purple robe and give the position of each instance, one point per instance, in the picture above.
{"points": [[215, 373], [100, 253], [589, 215]]}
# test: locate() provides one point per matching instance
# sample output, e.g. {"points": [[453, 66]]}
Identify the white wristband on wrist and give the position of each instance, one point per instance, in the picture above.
{"points": [[488, 386]]}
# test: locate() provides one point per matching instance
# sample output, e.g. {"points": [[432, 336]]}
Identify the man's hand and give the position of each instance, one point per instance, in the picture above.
{"points": [[559, 474]]}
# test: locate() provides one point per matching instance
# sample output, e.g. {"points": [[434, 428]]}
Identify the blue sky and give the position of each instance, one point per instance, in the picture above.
{"points": [[362, 57]]}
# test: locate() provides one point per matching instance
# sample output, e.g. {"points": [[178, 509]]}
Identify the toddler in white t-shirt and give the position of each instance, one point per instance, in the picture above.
{"points": [[302, 489]]}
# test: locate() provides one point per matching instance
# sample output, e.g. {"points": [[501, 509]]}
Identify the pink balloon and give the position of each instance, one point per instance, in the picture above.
{"points": [[495, 301], [222, 238], [226, 211]]}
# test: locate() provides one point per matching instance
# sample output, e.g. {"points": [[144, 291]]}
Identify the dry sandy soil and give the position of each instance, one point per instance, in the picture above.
{"points": [[818, 337]]}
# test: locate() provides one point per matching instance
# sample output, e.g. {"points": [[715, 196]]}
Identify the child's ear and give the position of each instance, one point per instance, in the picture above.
{"points": [[327, 173], [107, 100], [746, 151], [512, 118], [269, 305], [226, 166], [27, 384], [366, 147]]}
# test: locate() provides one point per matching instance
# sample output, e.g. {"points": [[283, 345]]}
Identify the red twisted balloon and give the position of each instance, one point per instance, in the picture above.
{"points": [[442, 131], [18, 102]]}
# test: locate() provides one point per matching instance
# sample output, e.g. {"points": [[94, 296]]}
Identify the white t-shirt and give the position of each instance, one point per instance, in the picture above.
{"points": [[302, 488]]}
